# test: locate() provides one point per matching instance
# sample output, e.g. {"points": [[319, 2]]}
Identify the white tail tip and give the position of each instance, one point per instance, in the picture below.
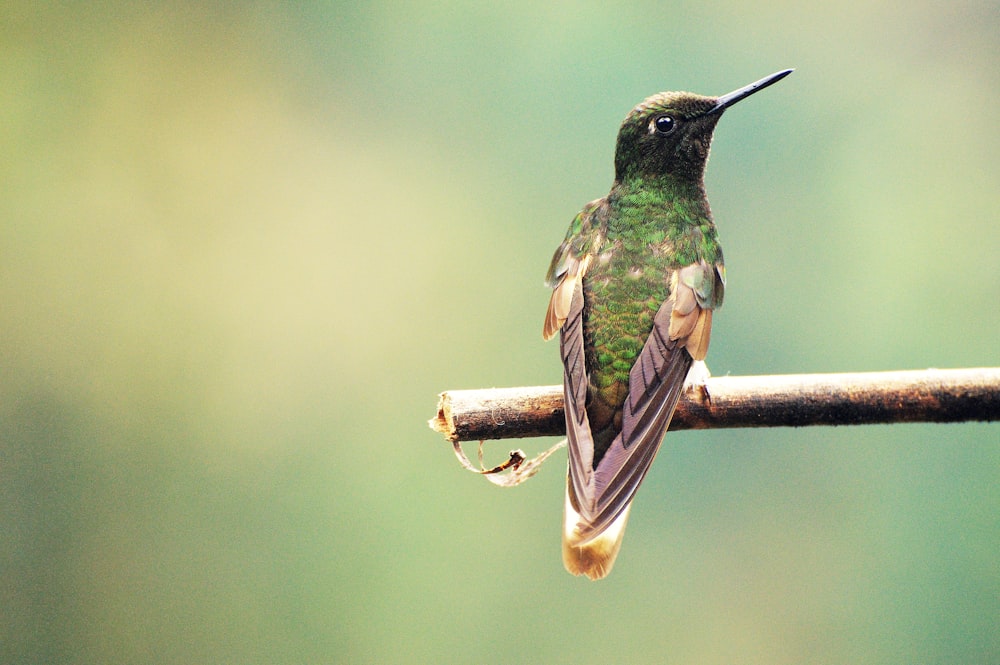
{"points": [[593, 557]]}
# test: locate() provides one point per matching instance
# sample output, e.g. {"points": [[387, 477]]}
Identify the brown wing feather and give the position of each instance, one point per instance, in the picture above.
{"points": [[562, 297], [701, 335], [691, 317], [578, 434]]}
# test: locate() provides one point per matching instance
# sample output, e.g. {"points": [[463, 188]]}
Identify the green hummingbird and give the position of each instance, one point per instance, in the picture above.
{"points": [[634, 286]]}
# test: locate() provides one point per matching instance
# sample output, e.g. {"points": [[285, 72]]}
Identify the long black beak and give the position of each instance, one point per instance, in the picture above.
{"points": [[726, 101]]}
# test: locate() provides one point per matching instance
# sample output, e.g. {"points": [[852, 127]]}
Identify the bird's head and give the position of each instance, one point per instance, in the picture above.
{"points": [[670, 133]]}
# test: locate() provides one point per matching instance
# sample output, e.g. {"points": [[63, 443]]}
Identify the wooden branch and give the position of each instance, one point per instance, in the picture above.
{"points": [[794, 400]]}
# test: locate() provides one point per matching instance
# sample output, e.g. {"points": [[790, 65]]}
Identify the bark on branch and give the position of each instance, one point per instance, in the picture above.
{"points": [[794, 400]]}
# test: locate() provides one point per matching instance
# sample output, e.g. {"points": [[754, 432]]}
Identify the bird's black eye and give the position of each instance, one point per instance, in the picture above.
{"points": [[664, 124]]}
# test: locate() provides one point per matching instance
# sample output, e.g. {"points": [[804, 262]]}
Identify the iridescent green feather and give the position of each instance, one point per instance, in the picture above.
{"points": [[654, 227]]}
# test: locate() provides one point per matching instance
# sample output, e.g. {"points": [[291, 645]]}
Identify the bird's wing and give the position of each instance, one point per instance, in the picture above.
{"points": [[572, 270], [565, 313], [569, 264], [681, 331], [697, 290], [578, 434]]}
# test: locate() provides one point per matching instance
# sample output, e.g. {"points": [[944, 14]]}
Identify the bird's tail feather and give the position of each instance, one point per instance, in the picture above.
{"points": [[594, 556]]}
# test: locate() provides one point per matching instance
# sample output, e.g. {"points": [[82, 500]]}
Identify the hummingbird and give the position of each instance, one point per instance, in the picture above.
{"points": [[634, 287]]}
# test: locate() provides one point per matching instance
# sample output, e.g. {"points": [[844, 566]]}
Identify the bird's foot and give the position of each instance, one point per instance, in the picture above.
{"points": [[697, 379]]}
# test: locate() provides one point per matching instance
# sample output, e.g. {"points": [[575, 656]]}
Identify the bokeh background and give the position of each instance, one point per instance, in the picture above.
{"points": [[244, 245]]}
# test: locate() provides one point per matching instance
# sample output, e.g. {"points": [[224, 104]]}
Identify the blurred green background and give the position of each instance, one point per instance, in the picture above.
{"points": [[244, 246]]}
